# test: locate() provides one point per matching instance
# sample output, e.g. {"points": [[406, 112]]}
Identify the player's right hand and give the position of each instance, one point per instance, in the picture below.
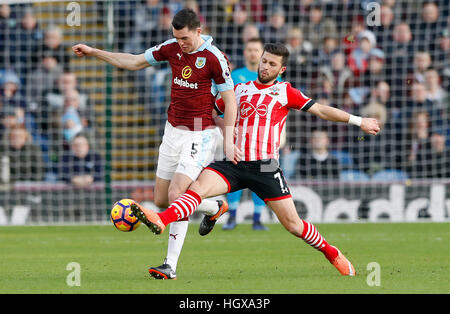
{"points": [[370, 126], [82, 50]]}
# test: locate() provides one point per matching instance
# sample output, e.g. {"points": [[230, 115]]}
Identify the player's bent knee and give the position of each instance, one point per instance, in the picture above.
{"points": [[197, 187], [161, 202], [173, 195], [293, 227]]}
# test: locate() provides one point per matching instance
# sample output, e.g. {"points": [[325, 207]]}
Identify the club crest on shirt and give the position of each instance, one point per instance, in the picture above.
{"points": [[274, 91], [200, 62], [247, 109]]}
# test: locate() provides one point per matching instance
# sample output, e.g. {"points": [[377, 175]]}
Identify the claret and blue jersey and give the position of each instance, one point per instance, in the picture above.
{"points": [[197, 77]]}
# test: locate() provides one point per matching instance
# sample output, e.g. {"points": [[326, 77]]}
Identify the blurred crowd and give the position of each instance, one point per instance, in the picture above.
{"points": [[42, 108], [393, 66]]}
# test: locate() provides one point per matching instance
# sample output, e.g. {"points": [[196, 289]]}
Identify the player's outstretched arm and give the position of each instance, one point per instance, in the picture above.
{"points": [[368, 125], [120, 60]]}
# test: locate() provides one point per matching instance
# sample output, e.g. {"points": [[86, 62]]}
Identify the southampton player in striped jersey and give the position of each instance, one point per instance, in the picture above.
{"points": [[199, 72], [262, 109]]}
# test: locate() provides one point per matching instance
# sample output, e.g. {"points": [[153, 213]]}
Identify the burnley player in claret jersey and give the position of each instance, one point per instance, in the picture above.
{"points": [[200, 72], [262, 109]]}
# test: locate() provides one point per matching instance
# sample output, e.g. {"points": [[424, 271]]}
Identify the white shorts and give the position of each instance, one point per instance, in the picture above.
{"points": [[185, 151]]}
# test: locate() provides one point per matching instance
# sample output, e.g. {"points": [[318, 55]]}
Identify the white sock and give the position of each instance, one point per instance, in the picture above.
{"points": [[177, 234], [208, 207]]}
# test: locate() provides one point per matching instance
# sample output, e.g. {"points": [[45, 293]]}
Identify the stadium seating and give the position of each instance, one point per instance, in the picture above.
{"points": [[353, 176], [345, 158], [389, 175]]}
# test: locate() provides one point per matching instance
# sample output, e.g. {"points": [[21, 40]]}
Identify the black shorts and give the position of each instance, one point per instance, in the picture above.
{"points": [[264, 177]]}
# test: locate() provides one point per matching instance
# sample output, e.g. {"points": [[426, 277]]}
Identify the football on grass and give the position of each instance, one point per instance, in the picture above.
{"points": [[122, 217]]}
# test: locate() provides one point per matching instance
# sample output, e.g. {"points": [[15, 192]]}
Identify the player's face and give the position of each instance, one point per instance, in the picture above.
{"points": [[270, 67], [187, 39]]}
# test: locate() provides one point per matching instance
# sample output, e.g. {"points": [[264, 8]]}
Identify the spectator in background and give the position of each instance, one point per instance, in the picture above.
{"points": [[376, 70], [350, 41], [42, 79], [53, 45], [419, 101], [25, 158], [9, 118], [24, 40], [325, 51], [338, 74], [145, 18], [384, 31], [299, 68], [71, 120], [177, 5], [163, 29], [381, 94], [324, 90], [8, 23], [235, 51], [193, 4], [250, 31], [13, 103], [318, 163], [231, 36], [372, 154], [421, 62], [402, 41], [46, 111], [442, 61], [428, 28], [146, 15], [66, 81], [275, 30], [316, 27], [342, 12], [419, 145], [253, 50], [440, 158], [358, 60], [219, 12], [54, 98], [399, 56], [52, 102], [376, 110], [81, 166], [435, 92]]}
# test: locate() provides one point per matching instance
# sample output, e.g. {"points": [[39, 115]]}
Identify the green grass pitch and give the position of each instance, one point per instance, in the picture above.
{"points": [[413, 258]]}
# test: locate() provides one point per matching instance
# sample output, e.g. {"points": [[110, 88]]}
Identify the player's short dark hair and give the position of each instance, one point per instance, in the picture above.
{"points": [[186, 18], [278, 50]]}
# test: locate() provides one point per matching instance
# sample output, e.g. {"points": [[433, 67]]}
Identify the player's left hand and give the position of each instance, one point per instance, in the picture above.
{"points": [[232, 152], [370, 126]]}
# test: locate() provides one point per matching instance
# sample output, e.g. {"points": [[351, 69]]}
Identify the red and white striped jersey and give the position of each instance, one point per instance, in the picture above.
{"points": [[262, 113]]}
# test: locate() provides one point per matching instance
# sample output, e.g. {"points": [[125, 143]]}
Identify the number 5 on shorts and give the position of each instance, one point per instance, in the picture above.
{"points": [[194, 150]]}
